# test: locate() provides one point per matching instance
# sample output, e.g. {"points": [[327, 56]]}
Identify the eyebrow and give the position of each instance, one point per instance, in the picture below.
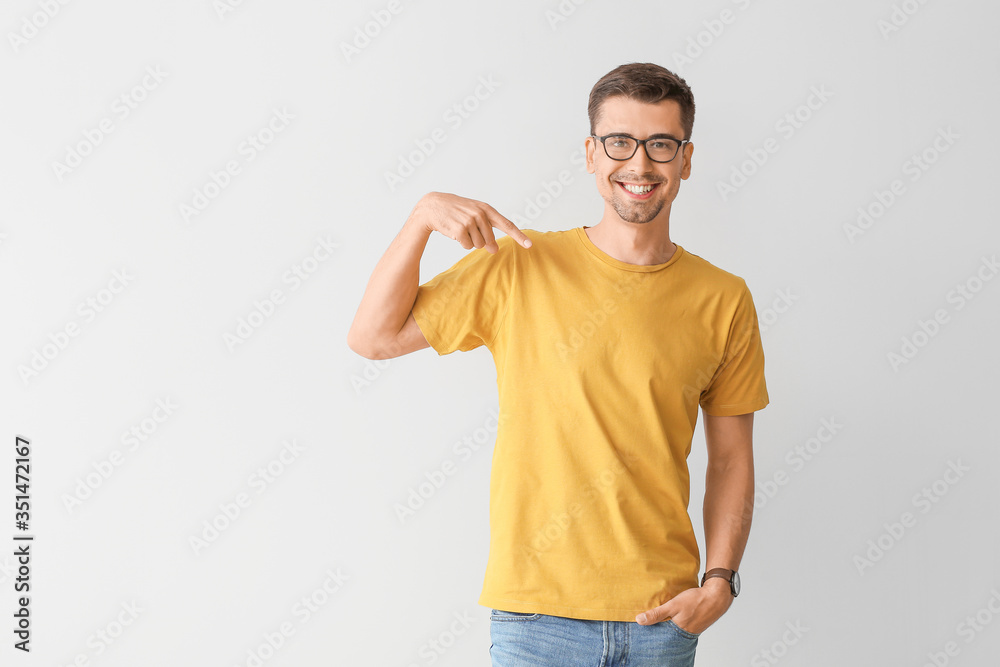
{"points": [[660, 135]]}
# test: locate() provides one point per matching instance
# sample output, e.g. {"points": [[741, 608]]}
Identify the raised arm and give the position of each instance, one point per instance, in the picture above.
{"points": [[383, 326]]}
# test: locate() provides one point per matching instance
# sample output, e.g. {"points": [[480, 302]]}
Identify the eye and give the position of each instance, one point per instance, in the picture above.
{"points": [[662, 144]]}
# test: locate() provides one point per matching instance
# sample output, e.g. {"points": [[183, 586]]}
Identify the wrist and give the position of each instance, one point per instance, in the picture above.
{"points": [[716, 586], [415, 226], [732, 577]]}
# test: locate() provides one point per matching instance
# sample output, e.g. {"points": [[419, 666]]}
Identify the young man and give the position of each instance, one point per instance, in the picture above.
{"points": [[607, 339]]}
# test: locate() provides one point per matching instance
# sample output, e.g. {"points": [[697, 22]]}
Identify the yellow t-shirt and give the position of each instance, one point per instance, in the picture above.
{"points": [[601, 366]]}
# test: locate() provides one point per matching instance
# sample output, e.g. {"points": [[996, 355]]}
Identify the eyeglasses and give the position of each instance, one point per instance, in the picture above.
{"points": [[622, 147]]}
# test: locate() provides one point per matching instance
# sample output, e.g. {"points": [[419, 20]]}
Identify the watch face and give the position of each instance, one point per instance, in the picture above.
{"points": [[735, 583]]}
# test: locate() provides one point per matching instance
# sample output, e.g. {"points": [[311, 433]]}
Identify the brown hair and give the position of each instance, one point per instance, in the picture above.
{"points": [[643, 82]]}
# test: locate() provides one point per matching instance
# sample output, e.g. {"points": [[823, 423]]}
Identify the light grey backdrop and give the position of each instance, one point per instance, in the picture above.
{"points": [[195, 194]]}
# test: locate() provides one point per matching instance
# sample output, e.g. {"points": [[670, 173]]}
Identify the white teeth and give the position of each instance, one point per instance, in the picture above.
{"points": [[637, 189]]}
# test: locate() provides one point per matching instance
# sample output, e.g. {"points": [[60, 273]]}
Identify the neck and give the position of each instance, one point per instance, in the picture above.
{"points": [[634, 243]]}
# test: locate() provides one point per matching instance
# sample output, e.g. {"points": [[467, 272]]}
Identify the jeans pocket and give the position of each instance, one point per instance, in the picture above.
{"points": [[501, 615], [681, 631]]}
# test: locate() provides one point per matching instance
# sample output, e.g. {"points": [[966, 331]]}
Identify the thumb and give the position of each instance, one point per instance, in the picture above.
{"points": [[656, 615]]}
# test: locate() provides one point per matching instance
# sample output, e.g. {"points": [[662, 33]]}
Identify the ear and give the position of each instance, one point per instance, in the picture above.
{"points": [[686, 168], [590, 145]]}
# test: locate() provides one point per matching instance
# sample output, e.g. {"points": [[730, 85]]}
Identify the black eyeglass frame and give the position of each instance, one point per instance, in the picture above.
{"points": [[639, 142]]}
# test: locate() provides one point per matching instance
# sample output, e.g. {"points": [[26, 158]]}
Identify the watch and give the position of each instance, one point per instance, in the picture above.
{"points": [[732, 576]]}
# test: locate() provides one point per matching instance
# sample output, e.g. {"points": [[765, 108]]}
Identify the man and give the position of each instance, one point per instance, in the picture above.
{"points": [[607, 339]]}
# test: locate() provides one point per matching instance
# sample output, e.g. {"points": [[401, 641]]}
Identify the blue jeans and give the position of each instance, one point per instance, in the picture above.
{"points": [[540, 640]]}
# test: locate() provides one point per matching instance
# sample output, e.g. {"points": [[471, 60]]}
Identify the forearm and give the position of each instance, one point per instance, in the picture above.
{"points": [[391, 290], [728, 510]]}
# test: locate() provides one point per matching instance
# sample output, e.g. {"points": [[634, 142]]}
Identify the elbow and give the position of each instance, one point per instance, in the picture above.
{"points": [[365, 346], [357, 344]]}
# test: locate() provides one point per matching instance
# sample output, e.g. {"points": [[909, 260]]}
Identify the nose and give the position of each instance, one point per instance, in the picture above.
{"points": [[640, 161]]}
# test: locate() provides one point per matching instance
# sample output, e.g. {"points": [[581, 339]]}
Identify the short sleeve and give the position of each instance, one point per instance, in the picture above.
{"points": [[463, 307], [738, 386]]}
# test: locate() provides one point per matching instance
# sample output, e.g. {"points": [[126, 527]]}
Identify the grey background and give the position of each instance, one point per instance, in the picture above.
{"points": [[832, 311]]}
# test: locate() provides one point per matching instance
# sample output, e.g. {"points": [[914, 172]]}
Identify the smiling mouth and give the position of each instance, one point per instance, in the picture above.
{"points": [[638, 190]]}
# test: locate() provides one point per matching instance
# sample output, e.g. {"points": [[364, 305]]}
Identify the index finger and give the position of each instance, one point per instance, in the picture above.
{"points": [[508, 227]]}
